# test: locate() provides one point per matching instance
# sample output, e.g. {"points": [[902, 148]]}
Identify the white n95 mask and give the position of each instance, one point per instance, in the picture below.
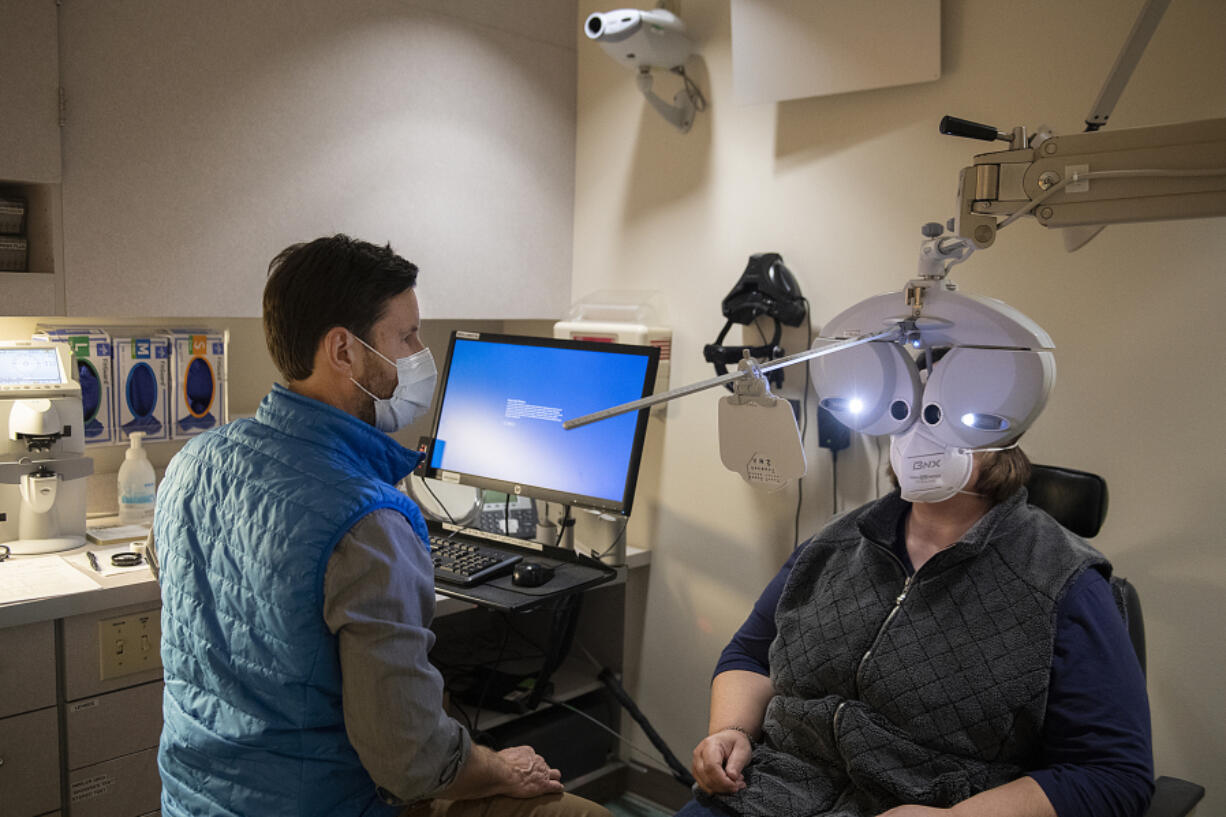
{"points": [[928, 470], [415, 376]]}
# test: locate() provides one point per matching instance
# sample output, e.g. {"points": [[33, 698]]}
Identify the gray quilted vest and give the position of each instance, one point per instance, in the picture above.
{"points": [[925, 691]]}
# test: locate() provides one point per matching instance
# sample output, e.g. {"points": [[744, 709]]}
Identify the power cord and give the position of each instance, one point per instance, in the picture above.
{"points": [[631, 744], [804, 426], [458, 528], [606, 677], [834, 482], [563, 523], [490, 677], [612, 547]]}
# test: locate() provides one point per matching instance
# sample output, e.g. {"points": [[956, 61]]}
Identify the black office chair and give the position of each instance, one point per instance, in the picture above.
{"points": [[1078, 501]]}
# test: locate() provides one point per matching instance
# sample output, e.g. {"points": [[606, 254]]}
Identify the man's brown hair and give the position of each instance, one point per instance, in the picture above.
{"points": [[331, 281]]}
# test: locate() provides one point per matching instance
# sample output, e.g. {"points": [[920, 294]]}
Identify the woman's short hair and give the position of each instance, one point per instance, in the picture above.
{"points": [[1001, 473], [315, 286]]}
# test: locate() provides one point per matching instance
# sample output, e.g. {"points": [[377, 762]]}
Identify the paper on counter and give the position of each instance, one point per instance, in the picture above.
{"points": [[24, 579], [117, 533]]}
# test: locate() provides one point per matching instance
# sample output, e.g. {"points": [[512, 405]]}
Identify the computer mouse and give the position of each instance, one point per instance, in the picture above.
{"points": [[531, 574]]}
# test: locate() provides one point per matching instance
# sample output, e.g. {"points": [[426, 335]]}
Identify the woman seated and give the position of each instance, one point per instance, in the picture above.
{"points": [[962, 657]]}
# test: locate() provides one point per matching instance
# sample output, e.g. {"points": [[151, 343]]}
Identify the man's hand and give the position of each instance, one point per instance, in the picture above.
{"points": [[530, 775], [915, 811], [719, 759]]}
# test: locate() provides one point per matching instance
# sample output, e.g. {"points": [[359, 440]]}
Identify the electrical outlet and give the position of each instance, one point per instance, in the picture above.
{"points": [[128, 644]]}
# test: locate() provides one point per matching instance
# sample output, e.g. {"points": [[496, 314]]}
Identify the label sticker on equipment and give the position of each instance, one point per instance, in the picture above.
{"points": [[762, 469], [91, 787]]}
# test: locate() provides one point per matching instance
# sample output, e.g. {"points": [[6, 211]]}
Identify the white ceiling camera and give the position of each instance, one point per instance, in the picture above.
{"points": [[643, 40]]}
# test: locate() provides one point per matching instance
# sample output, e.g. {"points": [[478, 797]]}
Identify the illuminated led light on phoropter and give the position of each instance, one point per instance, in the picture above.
{"points": [[985, 422]]}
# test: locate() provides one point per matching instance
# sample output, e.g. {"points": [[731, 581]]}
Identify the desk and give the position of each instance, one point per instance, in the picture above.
{"points": [[106, 766], [573, 573]]}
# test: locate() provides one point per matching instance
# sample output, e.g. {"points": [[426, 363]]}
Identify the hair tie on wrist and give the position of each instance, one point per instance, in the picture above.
{"points": [[740, 729]]}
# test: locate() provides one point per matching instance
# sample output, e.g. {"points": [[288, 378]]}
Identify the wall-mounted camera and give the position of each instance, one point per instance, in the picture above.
{"points": [[645, 39]]}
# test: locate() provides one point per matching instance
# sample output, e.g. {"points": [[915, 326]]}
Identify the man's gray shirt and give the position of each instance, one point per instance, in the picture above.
{"points": [[379, 603]]}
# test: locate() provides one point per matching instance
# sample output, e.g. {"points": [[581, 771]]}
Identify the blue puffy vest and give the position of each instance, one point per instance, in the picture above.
{"points": [[247, 518]]}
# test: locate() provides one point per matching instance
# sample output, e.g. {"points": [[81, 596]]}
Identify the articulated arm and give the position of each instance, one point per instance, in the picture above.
{"points": [[1102, 177]]}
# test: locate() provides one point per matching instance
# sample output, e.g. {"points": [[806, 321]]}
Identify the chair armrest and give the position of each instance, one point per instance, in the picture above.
{"points": [[1174, 797]]}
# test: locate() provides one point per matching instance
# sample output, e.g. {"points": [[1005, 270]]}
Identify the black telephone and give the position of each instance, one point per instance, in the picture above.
{"points": [[518, 519]]}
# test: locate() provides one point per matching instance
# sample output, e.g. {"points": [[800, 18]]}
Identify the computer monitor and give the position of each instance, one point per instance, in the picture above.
{"points": [[498, 424]]}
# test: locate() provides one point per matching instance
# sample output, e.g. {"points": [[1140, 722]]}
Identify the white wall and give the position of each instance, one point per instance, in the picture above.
{"points": [[840, 186]]}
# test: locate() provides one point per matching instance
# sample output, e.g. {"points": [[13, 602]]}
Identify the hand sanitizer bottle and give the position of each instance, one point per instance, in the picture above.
{"points": [[137, 485]]}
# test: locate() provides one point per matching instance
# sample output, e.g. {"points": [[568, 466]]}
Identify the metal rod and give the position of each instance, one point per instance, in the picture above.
{"points": [[702, 385], [1134, 46]]}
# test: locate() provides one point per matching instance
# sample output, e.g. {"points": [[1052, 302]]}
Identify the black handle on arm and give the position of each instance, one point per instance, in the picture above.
{"points": [[953, 126]]}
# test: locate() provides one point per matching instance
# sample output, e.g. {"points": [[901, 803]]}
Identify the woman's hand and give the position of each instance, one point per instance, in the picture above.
{"points": [[915, 811], [719, 759], [529, 774]]}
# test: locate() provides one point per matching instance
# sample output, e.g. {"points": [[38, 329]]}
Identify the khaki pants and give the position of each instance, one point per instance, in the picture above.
{"points": [[547, 805]]}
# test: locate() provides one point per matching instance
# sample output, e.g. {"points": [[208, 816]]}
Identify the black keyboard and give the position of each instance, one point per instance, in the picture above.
{"points": [[466, 563]]}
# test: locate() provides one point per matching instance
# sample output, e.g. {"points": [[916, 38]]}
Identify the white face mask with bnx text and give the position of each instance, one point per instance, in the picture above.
{"points": [[415, 376], [928, 470]]}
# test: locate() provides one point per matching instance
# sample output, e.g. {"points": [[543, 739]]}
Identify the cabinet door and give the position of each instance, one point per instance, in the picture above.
{"points": [[115, 724], [27, 668], [29, 764], [29, 94], [123, 787]]}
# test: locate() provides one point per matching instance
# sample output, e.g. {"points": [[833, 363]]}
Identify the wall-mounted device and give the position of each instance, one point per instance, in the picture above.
{"points": [[643, 40], [638, 318], [503, 399], [42, 469]]}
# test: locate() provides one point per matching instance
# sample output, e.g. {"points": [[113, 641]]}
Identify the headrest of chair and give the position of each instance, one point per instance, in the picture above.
{"points": [[1076, 499]]}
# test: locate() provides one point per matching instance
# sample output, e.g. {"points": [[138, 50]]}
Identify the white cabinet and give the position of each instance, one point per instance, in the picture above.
{"points": [[29, 93], [110, 725], [29, 733], [30, 150]]}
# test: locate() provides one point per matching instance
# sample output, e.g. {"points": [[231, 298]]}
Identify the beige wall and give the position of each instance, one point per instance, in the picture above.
{"points": [[200, 140], [840, 186]]}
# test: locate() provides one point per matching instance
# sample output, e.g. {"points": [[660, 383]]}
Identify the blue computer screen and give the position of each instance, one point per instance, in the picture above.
{"points": [[503, 403]]}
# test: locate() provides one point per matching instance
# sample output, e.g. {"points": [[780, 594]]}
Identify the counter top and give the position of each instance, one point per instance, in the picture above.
{"points": [[133, 587], [139, 586]]}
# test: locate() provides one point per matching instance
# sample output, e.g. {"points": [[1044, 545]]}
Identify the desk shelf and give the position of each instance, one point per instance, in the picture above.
{"points": [[574, 679]]}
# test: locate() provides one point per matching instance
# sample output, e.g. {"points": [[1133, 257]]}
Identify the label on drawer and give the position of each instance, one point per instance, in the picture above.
{"points": [[91, 787], [80, 705]]}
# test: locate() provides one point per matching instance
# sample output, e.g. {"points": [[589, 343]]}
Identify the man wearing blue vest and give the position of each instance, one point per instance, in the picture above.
{"points": [[297, 588]]}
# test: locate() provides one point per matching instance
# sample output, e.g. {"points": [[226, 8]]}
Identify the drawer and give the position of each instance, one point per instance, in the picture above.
{"points": [[124, 787], [118, 723], [30, 771], [135, 628], [27, 668]]}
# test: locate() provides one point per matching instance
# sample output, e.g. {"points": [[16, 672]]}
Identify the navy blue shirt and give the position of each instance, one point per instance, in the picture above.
{"points": [[1096, 759]]}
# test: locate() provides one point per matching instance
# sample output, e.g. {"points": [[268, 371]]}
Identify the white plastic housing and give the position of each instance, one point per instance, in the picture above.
{"points": [[873, 388], [986, 397], [641, 39], [760, 441], [947, 319]]}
